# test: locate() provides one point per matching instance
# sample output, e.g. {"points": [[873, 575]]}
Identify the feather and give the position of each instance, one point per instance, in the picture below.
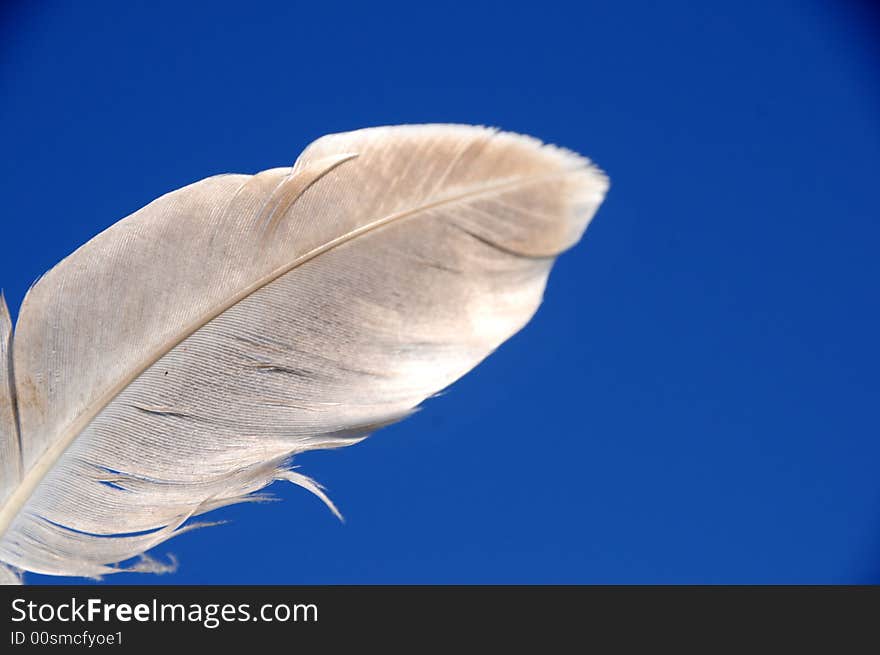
{"points": [[10, 461], [178, 361]]}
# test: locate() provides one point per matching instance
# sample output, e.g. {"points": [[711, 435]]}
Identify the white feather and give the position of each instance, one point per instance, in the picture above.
{"points": [[176, 362]]}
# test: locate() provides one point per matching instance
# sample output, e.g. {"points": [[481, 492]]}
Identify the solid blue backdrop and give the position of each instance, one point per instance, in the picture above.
{"points": [[697, 399]]}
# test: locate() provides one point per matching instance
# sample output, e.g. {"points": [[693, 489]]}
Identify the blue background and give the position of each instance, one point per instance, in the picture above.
{"points": [[696, 401]]}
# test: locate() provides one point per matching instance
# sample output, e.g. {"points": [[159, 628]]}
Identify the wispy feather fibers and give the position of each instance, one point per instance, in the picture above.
{"points": [[176, 362]]}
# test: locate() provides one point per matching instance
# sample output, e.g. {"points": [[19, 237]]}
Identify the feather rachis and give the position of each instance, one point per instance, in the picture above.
{"points": [[496, 210]]}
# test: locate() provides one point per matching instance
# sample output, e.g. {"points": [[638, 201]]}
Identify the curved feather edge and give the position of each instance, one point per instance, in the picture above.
{"points": [[259, 282], [10, 451]]}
